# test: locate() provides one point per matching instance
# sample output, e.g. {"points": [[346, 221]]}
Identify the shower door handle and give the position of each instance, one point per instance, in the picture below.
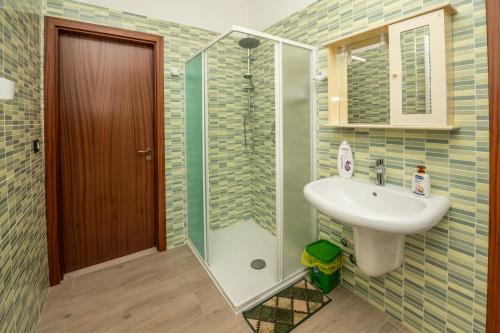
{"points": [[147, 153]]}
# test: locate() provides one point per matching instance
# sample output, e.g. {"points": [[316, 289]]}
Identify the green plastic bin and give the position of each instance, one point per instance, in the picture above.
{"points": [[324, 260]]}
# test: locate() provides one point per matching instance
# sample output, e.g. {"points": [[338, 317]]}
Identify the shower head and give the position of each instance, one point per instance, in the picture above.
{"points": [[249, 43]]}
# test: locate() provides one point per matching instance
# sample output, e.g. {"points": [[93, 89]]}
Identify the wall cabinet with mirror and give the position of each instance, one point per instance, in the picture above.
{"points": [[398, 75]]}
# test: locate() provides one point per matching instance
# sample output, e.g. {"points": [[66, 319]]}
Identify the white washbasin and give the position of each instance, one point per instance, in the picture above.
{"points": [[381, 216], [386, 208]]}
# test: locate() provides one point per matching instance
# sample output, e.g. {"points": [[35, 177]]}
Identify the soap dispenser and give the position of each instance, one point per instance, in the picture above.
{"points": [[345, 161], [421, 182]]}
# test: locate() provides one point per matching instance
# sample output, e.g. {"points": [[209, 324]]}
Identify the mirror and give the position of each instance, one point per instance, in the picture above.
{"points": [[368, 83], [415, 70], [396, 75]]}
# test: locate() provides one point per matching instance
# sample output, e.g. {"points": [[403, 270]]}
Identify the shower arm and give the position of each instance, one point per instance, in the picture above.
{"points": [[248, 61]]}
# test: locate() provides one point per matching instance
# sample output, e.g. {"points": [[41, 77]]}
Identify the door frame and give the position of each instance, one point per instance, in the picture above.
{"points": [[53, 27], [493, 294]]}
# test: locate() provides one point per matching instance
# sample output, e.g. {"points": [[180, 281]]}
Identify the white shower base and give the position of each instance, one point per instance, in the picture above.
{"points": [[232, 250]]}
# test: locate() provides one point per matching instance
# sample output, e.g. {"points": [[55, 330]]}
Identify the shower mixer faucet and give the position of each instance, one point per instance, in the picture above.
{"points": [[379, 168]]}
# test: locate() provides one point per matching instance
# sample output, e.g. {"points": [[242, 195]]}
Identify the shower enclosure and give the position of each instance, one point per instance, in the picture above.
{"points": [[250, 150]]}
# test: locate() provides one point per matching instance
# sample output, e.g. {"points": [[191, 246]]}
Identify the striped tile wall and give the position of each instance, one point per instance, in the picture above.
{"points": [[441, 286], [368, 87], [263, 162], [181, 42], [229, 160], [413, 62], [242, 179], [23, 246]]}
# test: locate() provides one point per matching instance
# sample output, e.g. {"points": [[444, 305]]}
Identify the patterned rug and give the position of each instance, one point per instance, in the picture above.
{"points": [[287, 309]]}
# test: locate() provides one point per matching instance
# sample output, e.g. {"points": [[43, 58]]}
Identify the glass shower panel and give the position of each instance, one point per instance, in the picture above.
{"points": [[229, 135], [240, 128], [194, 152], [298, 227], [262, 111]]}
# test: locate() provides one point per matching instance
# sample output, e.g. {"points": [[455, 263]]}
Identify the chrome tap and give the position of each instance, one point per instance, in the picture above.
{"points": [[379, 168]]}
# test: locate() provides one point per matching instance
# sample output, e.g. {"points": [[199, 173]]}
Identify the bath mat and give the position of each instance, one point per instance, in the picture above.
{"points": [[287, 309]]}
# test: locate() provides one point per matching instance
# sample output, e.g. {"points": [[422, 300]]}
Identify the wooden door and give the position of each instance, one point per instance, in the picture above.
{"points": [[106, 143], [493, 25]]}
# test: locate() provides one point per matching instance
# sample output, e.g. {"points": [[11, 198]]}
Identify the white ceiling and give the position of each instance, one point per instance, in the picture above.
{"points": [[214, 15]]}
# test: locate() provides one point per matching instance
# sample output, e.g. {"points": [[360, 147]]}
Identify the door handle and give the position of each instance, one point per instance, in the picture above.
{"points": [[147, 153]]}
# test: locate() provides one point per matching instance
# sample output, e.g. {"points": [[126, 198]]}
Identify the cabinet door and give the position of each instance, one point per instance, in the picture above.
{"points": [[417, 60]]}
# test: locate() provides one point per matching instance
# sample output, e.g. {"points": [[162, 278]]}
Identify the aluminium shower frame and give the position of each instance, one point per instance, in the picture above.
{"points": [[278, 47]]}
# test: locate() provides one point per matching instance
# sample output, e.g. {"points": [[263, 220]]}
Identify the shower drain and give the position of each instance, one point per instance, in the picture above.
{"points": [[258, 264]]}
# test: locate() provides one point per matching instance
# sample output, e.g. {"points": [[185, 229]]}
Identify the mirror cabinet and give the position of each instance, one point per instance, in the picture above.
{"points": [[398, 75]]}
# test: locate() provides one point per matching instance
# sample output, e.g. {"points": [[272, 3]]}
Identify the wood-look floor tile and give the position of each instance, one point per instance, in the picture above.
{"points": [[354, 315], [173, 315], [221, 320], [170, 292], [340, 297], [59, 327], [388, 328], [101, 300], [116, 299], [136, 272], [210, 298], [129, 312], [61, 290]]}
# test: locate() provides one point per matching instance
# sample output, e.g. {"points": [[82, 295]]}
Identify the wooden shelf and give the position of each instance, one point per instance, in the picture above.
{"points": [[388, 126]]}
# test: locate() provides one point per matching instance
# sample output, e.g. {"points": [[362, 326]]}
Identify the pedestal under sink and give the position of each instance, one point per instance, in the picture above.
{"points": [[381, 216]]}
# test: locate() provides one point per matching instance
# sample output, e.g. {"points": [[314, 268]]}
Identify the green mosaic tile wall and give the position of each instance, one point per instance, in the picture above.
{"points": [[23, 254], [229, 160], [181, 42], [242, 179], [413, 75], [442, 284], [368, 87], [263, 161]]}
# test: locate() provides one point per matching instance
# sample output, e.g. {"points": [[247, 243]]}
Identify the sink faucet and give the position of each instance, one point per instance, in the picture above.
{"points": [[379, 168]]}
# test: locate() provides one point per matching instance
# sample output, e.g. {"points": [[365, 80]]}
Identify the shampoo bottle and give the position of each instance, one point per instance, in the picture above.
{"points": [[421, 182], [345, 160]]}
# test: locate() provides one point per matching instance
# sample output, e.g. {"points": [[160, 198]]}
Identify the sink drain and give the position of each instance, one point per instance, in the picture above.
{"points": [[258, 264]]}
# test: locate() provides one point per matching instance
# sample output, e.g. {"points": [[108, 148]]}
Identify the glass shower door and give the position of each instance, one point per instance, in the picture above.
{"points": [[240, 140], [194, 153], [298, 226]]}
